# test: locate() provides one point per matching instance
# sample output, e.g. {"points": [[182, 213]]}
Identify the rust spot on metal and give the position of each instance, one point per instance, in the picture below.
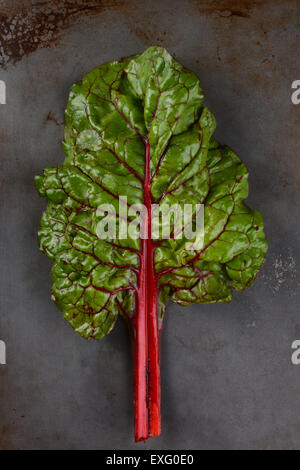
{"points": [[284, 179], [228, 13], [29, 26], [158, 30], [50, 117], [227, 8], [148, 34], [268, 60]]}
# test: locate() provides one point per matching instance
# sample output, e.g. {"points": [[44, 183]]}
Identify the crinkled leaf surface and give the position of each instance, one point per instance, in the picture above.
{"points": [[112, 114]]}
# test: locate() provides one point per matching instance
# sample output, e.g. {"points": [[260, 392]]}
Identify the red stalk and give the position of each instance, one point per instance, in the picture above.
{"points": [[146, 349]]}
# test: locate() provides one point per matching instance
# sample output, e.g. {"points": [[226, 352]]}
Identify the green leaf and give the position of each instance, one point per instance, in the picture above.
{"points": [[112, 115]]}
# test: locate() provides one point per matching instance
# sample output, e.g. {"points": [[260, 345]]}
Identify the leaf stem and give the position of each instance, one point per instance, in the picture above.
{"points": [[145, 337]]}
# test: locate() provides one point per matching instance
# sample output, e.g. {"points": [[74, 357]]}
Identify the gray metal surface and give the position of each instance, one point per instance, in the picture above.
{"points": [[228, 381]]}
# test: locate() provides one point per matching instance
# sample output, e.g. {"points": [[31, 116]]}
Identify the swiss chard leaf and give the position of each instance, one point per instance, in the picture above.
{"points": [[137, 128]]}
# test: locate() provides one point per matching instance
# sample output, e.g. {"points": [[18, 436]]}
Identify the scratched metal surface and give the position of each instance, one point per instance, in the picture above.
{"points": [[228, 381]]}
